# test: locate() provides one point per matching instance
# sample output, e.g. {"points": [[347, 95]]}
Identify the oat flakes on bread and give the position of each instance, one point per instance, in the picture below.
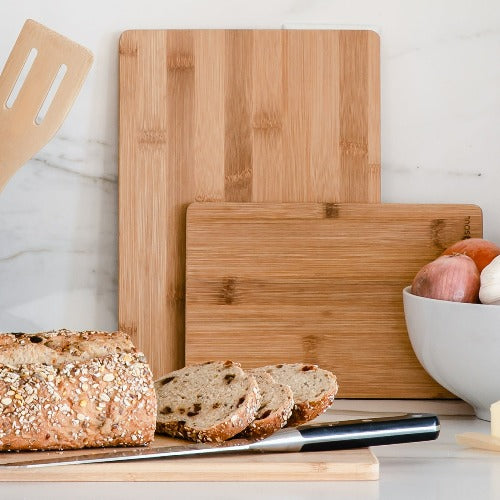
{"points": [[313, 389], [67, 390], [275, 408], [208, 402]]}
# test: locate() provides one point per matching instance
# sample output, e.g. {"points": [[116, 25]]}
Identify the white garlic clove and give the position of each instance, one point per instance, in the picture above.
{"points": [[489, 292]]}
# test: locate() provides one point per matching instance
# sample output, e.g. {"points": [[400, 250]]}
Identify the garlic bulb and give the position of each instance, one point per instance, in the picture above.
{"points": [[489, 293]]}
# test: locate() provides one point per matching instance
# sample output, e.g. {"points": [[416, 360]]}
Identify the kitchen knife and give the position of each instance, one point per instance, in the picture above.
{"points": [[311, 437]]}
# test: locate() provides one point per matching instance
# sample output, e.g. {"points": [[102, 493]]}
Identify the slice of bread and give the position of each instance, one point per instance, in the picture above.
{"points": [[209, 402], [313, 389], [275, 408]]}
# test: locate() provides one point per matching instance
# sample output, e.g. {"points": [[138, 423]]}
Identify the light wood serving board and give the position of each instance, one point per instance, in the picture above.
{"points": [[357, 464], [231, 115], [316, 283]]}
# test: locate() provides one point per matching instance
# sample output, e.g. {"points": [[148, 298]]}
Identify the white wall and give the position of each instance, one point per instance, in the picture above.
{"points": [[440, 70]]}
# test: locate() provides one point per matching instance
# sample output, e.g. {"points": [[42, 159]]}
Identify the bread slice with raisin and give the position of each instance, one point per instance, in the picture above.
{"points": [[313, 389], [209, 402], [275, 408]]}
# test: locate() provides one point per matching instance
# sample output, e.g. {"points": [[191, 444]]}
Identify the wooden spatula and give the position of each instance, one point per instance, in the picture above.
{"points": [[38, 85]]}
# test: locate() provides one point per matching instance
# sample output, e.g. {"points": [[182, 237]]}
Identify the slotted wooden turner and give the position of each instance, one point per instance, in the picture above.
{"points": [[23, 130]]}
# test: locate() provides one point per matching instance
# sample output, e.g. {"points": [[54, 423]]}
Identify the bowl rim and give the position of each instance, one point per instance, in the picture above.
{"points": [[407, 293]]}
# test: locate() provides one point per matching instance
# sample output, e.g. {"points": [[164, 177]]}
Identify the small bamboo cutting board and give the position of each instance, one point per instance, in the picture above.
{"points": [[357, 464], [316, 283], [231, 115]]}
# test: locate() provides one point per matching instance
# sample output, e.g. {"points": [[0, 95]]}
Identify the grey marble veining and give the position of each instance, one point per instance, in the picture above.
{"points": [[58, 215]]}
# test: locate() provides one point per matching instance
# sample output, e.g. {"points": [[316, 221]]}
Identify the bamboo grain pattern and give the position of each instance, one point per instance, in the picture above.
{"points": [[316, 283], [231, 115], [357, 464]]}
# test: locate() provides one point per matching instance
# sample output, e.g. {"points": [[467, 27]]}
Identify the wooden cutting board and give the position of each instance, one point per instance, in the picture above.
{"points": [[316, 283], [231, 115], [358, 464]]}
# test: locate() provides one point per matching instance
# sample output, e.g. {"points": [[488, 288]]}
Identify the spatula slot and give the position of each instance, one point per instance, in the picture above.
{"points": [[51, 94], [21, 78], [36, 92]]}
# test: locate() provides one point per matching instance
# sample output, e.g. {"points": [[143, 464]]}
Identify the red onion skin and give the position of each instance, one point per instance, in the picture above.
{"points": [[454, 278]]}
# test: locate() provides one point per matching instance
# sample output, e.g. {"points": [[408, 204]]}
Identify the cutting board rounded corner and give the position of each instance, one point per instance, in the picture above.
{"points": [[475, 207], [195, 205], [124, 38]]}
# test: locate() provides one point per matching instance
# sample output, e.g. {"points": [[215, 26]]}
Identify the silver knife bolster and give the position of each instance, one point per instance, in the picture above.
{"points": [[286, 440]]}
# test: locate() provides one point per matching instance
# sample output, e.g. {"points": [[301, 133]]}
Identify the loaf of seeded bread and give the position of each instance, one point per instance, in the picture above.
{"points": [[210, 402], [275, 407], [313, 389], [66, 390]]}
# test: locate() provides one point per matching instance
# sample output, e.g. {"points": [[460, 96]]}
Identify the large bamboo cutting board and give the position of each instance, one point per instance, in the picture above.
{"points": [[238, 115], [357, 464], [317, 283]]}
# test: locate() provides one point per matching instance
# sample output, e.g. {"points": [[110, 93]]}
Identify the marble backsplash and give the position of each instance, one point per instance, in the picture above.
{"points": [[58, 215]]}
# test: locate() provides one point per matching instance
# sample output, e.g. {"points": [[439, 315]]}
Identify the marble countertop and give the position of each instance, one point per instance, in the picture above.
{"points": [[438, 469]]}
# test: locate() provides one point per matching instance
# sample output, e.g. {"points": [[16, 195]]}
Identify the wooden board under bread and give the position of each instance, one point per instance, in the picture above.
{"points": [[234, 115], [357, 464], [316, 283]]}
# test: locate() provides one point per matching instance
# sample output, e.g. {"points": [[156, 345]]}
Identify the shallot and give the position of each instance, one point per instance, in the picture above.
{"points": [[449, 277]]}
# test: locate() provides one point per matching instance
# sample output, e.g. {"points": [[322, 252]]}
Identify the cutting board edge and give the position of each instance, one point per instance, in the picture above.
{"points": [[288, 205], [366, 468]]}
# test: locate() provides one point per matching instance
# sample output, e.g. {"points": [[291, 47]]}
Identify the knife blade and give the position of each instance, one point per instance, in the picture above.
{"points": [[337, 435]]}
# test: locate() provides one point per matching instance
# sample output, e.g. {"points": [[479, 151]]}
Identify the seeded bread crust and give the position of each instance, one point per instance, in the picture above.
{"points": [[67, 390], [313, 389], [209, 402], [275, 408]]}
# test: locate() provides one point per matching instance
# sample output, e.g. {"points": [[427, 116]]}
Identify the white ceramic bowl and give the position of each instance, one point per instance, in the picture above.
{"points": [[459, 346]]}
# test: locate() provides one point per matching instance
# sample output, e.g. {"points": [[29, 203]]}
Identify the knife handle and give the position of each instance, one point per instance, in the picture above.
{"points": [[369, 432]]}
